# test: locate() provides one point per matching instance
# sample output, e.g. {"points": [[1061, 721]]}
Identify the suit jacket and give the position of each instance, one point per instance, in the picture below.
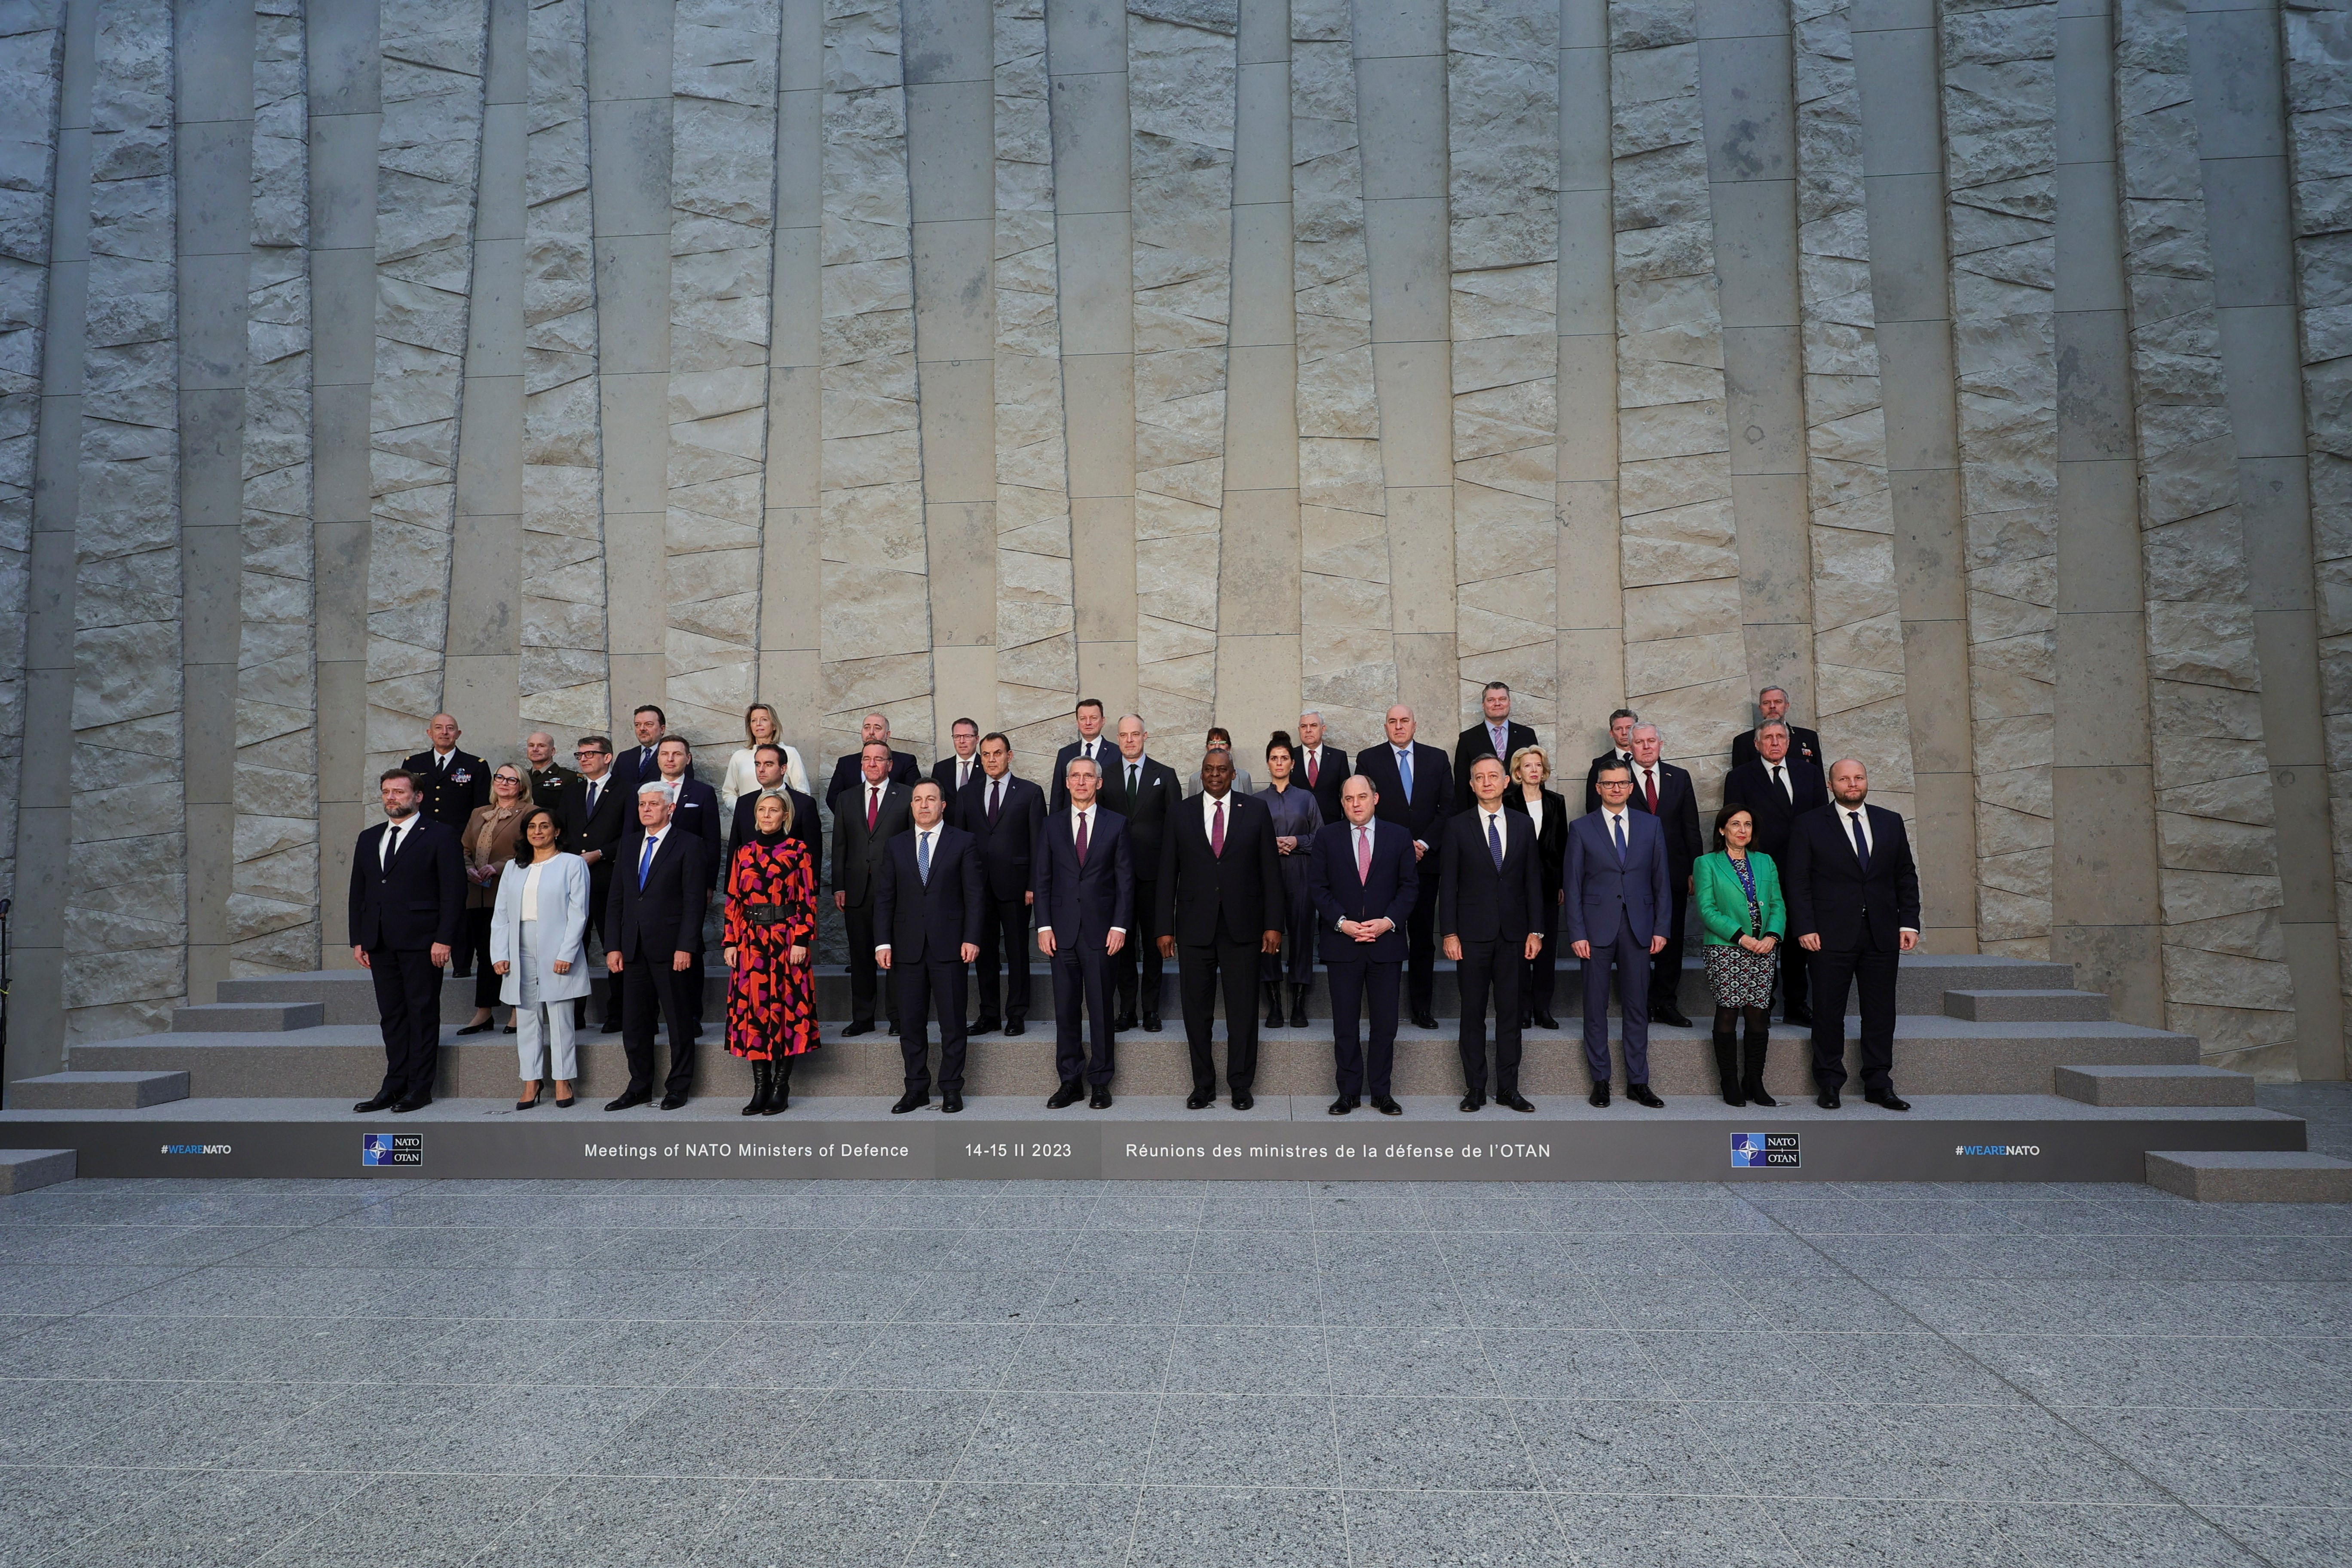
{"points": [[1432, 788], [1084, 903], [664, 916], [1593, 774], [1475, 743], [1603, 896], [943, 772], [697, 811], [1829, 894], [420, 900], [632, 766], [1751, 784], [1552, 843], [1158, 793], [807, 826], [1478, 900], [857, 853], [1007, 846], [929, 922], [1392, 890], [565, 889], [1336, 769], [849, 770], [601, 829], [451, 797], [1106, 754], [1802, 743], [1677, 814], [1235, 896]]}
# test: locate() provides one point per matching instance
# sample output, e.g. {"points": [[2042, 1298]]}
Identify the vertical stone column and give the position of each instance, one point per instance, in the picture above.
{"points": [[876, 610], [790, 573], [1592, 605], [951, 165], [1897, 75], [274, 907], [2000, 122], [1085, 59], [1182, 98], [1856, 609], [1348, 667], [1502, 95], [562, 680], [1036, 615], [1401, 108], [1685, 655]]}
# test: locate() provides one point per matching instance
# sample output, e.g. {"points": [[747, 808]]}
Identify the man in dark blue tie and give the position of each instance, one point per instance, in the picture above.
{"points": [[1854, 908], [1618, 916], [1490, 907]]}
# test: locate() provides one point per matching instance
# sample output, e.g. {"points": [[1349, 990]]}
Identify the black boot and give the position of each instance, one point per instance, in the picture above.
{"points": [[1726, 1064], [1298, 1006], [1751, 1074], [762, 1073], [1273, 989], [779, 1086]]}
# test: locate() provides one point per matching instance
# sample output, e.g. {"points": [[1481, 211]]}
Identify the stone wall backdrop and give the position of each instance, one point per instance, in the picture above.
{"points": [[1977, 369]]}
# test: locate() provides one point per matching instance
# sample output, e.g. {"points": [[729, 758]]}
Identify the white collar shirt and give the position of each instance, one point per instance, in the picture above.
{"points": [[1209, 812], [1849, 815]]}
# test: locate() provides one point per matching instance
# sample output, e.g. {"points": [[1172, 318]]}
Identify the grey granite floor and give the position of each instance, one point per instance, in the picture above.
{"points": [[1260, 1374]]}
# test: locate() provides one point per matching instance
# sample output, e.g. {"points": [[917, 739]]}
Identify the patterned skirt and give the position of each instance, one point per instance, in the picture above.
{"points": [[1741, 978]]}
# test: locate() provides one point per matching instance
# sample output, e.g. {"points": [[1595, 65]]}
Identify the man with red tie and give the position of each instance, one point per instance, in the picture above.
{"points": [[866, 817], [1666, 793], [1220, 903], [1322, 768], [1083, 880], [1364, 879]]}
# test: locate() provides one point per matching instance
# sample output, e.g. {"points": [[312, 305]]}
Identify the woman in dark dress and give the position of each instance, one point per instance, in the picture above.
{"points": [[1296, 820], [770, 927], [1530, 769]]}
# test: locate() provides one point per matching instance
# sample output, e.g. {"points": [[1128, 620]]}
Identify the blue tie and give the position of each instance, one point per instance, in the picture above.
{"points": [[923, 858], [644, 861], [1618, 822], [1861, 845], [1495, 842], [1404, 771]]}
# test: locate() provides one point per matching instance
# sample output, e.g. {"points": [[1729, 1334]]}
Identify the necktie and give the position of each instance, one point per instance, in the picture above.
{"points": [[872, 806], [1404, 771], [1781, 785], [1495, 840], [1314, 766], [1082, 836], [644, 862], [593, 786], [391, 844], [995, 799], [1861, 843], [1650, 790], [923, 858], [1363, 855], [1132, 770], [1502, 738], [644, 760], [1617, 820], [1217, 831]]}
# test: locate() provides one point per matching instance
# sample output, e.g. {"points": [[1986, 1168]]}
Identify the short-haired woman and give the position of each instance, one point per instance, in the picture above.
{"points": [[1531, 770], [1220, 739], [538, 931], [761, 728], [1737, 891], [771, 929], [489, 843]]}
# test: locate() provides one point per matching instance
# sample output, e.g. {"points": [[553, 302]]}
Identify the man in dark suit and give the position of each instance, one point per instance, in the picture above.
{"points": [[1773, 704], [927, 906], [959, 767], [1090, 744], [849, 768], [1220, 903], [641, 764], [1667, 792], [1852, 891], [1322, 768], [594, 817], [1620, 750], [1414, 785], [407, 909], [1146, 793], [1777, 788], [453, 783], [694, 809], [1364, 879], [1500, 736], [653, 931], [1490, 907], [1617, 914], [864, 819], [1085, 888], [1006, 815], [768, 768]]}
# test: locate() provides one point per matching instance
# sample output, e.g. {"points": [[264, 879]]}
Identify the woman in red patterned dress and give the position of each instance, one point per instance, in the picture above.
{"points": [[770, 926]]}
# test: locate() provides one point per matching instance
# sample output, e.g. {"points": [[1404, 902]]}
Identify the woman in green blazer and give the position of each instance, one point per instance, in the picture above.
{"points": [[1738, 893]]}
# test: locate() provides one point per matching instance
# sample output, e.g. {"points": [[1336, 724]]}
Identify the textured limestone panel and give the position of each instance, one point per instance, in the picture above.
{"points": [[1859, 689], [126, 930], [273, 904], [722, 227], [1503, 176], [876, 616], [1036, 614], [2214, 810], [565, 678], [1181, 98], [31, 39], [1348, 652], [2000, 117], [428, 154]]}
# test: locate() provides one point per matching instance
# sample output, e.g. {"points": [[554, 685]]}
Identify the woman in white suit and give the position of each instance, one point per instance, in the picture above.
{"points": [[537, 929], [742, 776]]}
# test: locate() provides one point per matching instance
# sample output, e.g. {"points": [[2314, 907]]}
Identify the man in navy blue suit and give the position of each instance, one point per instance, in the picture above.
{"points": [[1490, 908], [1085, 888], [1618, 913], [653, 937], [407, 904], [635, 764], [1364, 879], [1005, 815], [1415, 786], [927, 910], [849, 768]]}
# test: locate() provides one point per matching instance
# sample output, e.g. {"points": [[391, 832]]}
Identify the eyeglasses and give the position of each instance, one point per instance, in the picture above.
{"points": [[586, 754]]}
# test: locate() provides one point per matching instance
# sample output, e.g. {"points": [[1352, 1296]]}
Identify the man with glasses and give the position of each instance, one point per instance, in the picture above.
{"points": [[593, 813]]}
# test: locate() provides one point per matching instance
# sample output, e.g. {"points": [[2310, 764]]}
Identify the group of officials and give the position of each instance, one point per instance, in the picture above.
{"points": [[1370, 863]]}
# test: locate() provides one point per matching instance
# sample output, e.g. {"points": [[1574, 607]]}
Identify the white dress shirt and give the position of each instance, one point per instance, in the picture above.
{"points": [[1534, 803], [1779, 773], [1361, 843], [1209, 804], [1847, 816], [924, 848], [1494, 820], [1609, 818], [390, 844], [530, 890]]}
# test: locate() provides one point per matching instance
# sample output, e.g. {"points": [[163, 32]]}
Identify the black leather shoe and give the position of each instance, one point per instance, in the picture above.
{"points": [[1386, 1105], [1244, 1100], [1803, 1015], [633, 1098], [378, 1103], [894, 1025], [609, 1027], [1667, 1012], [1424, 1021], [1513, 1101], [414, 1102], [1890, 1100], [484, 1027], [1151, 1023], [1070, 1094], [1546, 1021], [857, 1026], [1473, 1102], [1100, 1099], [673, 1102], [909, 1101], [950, 1104], [1201, 1100], [1015, 1027], [1341, 1106], [1599, 1098], [1639, 1093], [1827, 1099], [1122, 1021], [985, 1026]]}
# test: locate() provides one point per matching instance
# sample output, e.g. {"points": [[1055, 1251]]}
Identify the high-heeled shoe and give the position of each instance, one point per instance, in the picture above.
{"points": [[484, 1027], [565, 1104], [526, 1104]]}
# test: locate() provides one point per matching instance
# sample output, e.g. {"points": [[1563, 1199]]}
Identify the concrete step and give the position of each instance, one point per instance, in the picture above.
{"points": [[2027, 1007], [249, 1017], [22, 1170], [2251, 1176], [2128, 1085], [104, 1090]]}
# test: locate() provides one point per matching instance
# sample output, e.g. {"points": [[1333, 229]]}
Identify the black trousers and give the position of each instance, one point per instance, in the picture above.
{"points": [[650, 987], [408, 1000], [1535, 987], [1082, 976], [474, 954], [1795, 961], [1199, 966], [1421, 946], [1296, 958], [1666, 968], [1004, 938], [919, 987], [1870, 970], [865, 975], [1363, 1071], [600, 887], [1630, 958], [1493, 968], [1136, 972]]}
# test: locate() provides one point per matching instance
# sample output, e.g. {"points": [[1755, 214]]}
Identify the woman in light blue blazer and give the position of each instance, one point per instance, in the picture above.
{"points": [[538, 928]]}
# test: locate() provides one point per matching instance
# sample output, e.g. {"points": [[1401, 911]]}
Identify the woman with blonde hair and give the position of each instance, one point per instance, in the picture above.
{"points": [[761, 728], [1530, 770], [490, 836], [770, 929]]}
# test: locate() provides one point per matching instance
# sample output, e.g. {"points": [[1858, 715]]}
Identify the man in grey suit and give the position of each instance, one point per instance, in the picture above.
{"points": [[1618, 914], [866, 816]]}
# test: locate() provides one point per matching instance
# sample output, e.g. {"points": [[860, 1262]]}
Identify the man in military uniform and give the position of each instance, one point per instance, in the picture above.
{"points": [[548, 778], [454, 781]]}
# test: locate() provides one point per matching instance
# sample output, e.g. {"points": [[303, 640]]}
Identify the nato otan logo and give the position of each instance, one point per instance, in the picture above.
{"points": [[391, 1148], [1760, 1151]]}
